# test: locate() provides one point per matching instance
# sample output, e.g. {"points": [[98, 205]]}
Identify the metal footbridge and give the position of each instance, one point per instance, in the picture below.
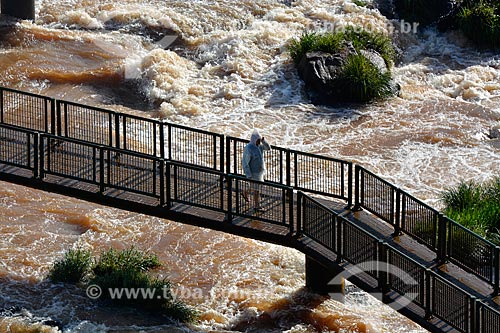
{"points": [[340, 215]]}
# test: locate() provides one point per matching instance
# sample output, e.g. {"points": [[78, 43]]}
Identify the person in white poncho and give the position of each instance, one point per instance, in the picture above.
{"points": [[254, 166]]}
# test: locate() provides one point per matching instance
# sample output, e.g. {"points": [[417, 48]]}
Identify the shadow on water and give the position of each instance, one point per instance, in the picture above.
{"points": [[282, 315], [7, 27]]}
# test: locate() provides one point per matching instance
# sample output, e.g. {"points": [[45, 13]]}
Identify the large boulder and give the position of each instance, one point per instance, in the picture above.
{"points": [[386, 8], [321, 72], [318, 70], [425, 12]]}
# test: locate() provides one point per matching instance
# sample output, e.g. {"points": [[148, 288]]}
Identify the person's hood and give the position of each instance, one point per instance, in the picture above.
{"points": [[255, 136]]}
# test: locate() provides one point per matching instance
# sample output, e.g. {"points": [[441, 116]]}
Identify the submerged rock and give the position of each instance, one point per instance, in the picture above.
{"points": [[494, 132]]}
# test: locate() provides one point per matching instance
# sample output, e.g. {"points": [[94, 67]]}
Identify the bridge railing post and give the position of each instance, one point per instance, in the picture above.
{"points": [[382, 272], [350, 185], [162, 182], [428, 294], [358, 183], [496, 267], [291, 207], [117, 130], [340, 241], [222, 154], [229, 212], [228, 155], [1, 105], [102, 169], [474, 314], [36, 154], [300, 201], [162, 139], [442, 240], [169, 141], [397, 212], [53, 119], [168, 187]]}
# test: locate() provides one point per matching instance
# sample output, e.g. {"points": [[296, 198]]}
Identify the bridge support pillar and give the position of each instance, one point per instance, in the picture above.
{"points": [[22, 9], [324, 281]]}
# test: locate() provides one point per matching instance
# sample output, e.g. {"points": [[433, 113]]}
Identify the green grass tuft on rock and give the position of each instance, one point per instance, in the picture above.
{"points": [[360, 77], [73, 268], [333, 42], [129, 259], [360, 80], [123, 278]]}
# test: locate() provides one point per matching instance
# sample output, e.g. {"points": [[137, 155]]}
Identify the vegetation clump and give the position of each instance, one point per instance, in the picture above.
{"points": [[363, 81], [122, 278], [476, 206], [355, 64], [73, 268], [480, 22], [335, 42]]}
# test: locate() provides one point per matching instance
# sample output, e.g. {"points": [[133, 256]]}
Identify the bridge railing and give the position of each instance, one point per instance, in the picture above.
{"points": [[403, 281], [194, 146], [126, 134], [448, 239], [105, 167], [108, 169], [19, 148], [14, 103], [209, 192], [275, 201], [303, 171]]}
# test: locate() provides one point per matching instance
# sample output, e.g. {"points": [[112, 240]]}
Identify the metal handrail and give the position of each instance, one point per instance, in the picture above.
{"points": [[280, 207], [286, 163], [45, 119], [221, 159], [469, 313]]}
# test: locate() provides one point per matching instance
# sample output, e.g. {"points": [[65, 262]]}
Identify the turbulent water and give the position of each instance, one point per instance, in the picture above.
{"points": [[228, 71]]}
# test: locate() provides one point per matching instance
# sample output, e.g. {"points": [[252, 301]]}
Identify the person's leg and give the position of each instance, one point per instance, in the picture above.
{"points": [[245, 194], [256, 193], [256, 199]]}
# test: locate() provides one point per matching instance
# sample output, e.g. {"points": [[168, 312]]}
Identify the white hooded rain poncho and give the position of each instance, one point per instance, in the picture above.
{"points": [[253, 157]]}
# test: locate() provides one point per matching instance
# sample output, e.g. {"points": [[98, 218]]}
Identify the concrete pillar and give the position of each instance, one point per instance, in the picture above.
{"points": [[324, 281], [22, 9]]}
